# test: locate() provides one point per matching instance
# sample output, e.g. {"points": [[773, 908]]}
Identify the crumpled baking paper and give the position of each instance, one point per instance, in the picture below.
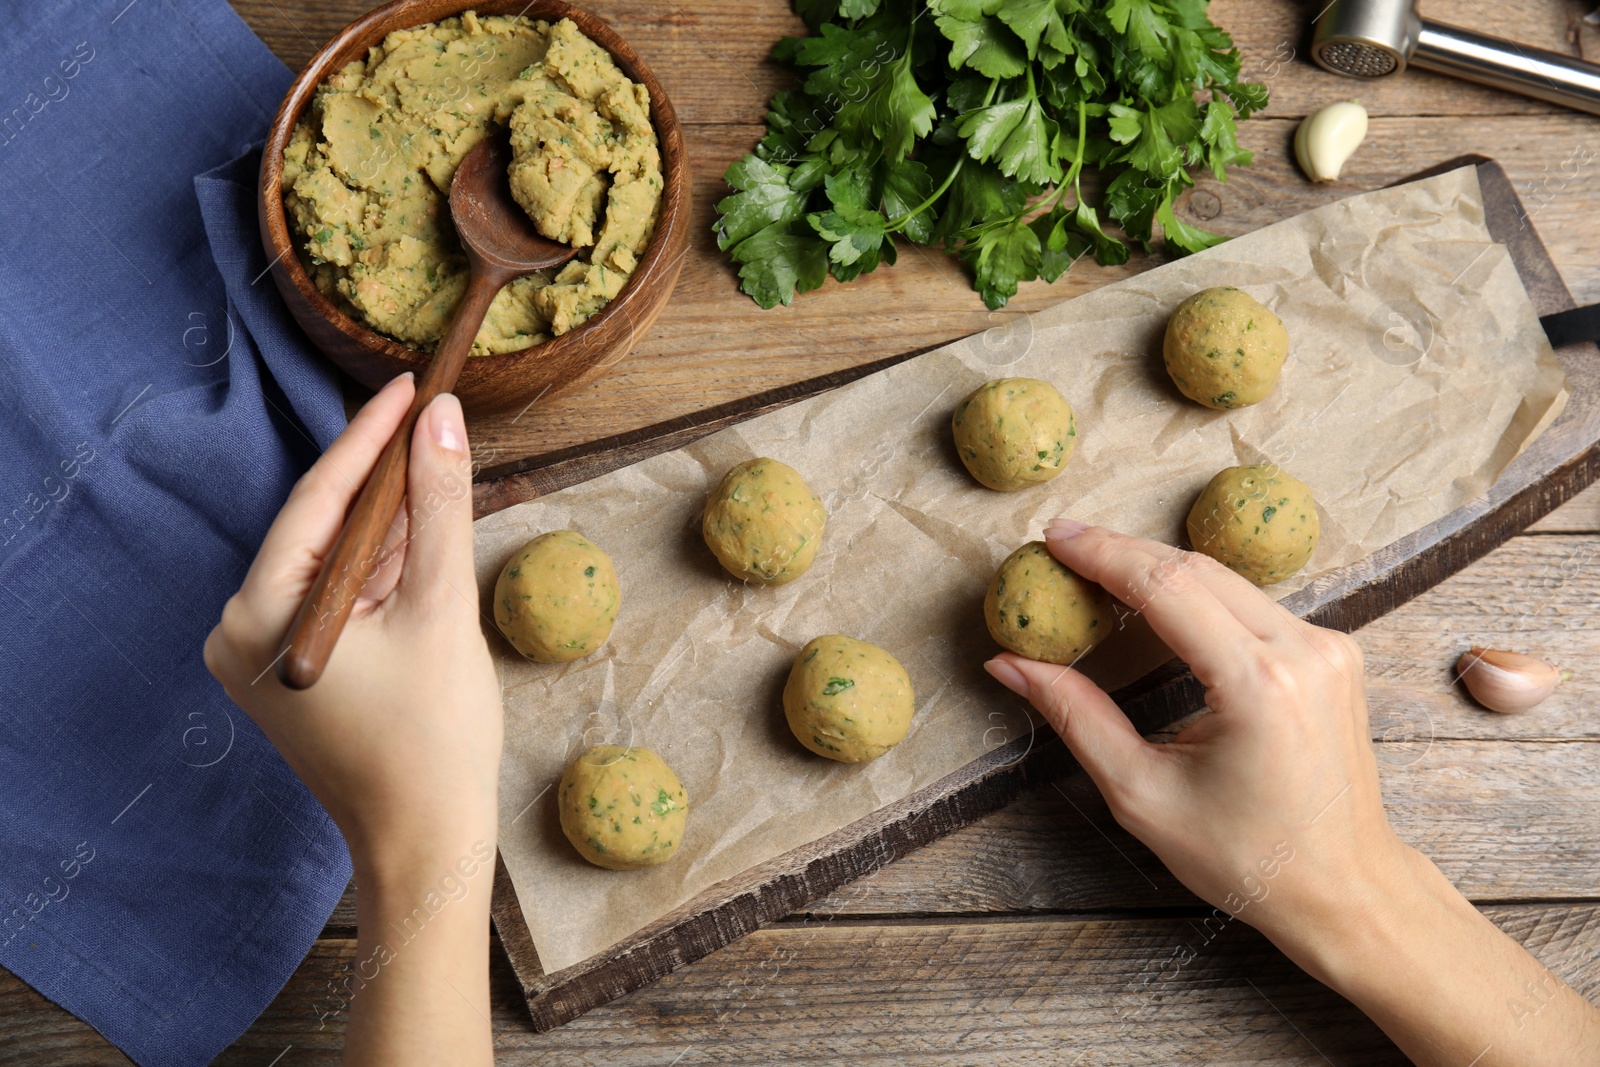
{"points": [[1418, 370]]}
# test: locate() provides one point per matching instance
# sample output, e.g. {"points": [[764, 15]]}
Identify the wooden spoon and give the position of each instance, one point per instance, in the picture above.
{"points": [[501, 245]]}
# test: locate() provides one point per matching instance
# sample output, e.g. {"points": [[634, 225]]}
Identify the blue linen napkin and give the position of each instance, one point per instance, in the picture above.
{"points": [[162, 872]]}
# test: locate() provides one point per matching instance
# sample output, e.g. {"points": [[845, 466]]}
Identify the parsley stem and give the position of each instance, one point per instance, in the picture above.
{"points": [[1076, 172], [895, 225]]}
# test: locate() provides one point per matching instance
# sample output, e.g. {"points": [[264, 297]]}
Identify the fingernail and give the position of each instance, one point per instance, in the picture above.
{"points": [[449, 433], [1008, 676], [397, 379], [1062, 529]]}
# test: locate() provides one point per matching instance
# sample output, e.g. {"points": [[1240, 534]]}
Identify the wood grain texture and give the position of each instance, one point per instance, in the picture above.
{"points": [[1524, 832], [712, 55], [712, 345], [995, 994], [1069, 990]]}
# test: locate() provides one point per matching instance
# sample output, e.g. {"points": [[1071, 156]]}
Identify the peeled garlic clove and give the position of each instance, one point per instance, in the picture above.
{"points": [[1506, 681], [1327, 139]]}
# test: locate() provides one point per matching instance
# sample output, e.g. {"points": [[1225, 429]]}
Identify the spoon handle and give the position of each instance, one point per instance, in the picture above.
{"points": [[356, 554]]}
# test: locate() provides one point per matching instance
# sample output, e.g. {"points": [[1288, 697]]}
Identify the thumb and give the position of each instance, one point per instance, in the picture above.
{"points": [[1099, 736], [438, 565]]}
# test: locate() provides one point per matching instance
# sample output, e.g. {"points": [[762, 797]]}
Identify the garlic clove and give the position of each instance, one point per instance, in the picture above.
{"points": [[1327, 139], [1506, 681]]}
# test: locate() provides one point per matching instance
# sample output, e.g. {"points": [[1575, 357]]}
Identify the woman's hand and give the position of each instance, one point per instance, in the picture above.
{"points": [[400, 739], [1269, 808], [1234, 805]]}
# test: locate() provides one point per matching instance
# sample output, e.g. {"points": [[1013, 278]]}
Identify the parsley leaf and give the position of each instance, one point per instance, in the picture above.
{"points": [[1220, 133], [1035, 21], [764, 197], [985, 45], [1189, 238], [899, 112], [1000, 257], [774, 264], [855, 229], [1017, 135]]}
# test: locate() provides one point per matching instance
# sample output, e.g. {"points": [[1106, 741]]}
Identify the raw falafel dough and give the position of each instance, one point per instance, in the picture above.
{"points": [[1014, 432], [1223, 349], [763, 523], [848, 700], [1258, 520], [367, 172], [1038, 608], [622, 808], [557, 597]]}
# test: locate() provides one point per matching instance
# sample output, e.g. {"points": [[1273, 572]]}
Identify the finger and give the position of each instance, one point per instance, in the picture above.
{"points": [[439, 498], [1154, 581], [304, 531], [391, 559], [1094, 728], [1261, 615]]}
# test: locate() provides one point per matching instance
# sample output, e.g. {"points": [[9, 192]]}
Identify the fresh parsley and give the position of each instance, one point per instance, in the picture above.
{"points": [[970, 124]]}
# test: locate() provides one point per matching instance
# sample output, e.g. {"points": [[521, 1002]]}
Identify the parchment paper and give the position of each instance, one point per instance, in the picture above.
{"points": [[1418, 370]]}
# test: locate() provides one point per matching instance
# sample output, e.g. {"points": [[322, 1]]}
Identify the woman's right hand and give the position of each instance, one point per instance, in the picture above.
{"points": [[1274, 794], [1269, 808]]}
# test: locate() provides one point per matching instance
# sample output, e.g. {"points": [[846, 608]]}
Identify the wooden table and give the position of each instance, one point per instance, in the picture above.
{"points": [[1044, 933]]}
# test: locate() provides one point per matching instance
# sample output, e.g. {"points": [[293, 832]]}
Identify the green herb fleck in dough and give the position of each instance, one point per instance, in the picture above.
{"points": [[1038, 608], [662, 804], [847, 699]]}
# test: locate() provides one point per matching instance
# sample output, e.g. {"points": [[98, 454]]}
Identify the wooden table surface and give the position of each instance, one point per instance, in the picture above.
{"points": [[1044, 933]]}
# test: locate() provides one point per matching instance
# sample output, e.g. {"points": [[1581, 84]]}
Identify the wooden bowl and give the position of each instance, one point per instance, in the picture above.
{"points": [[491, 382]]}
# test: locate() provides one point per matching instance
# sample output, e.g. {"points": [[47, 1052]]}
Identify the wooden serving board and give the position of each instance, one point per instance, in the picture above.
{"points": [[1557, 466]]}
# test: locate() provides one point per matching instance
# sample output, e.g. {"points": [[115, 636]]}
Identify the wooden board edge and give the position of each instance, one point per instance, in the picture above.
{"points": [[497, 488], [511, 925]]}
